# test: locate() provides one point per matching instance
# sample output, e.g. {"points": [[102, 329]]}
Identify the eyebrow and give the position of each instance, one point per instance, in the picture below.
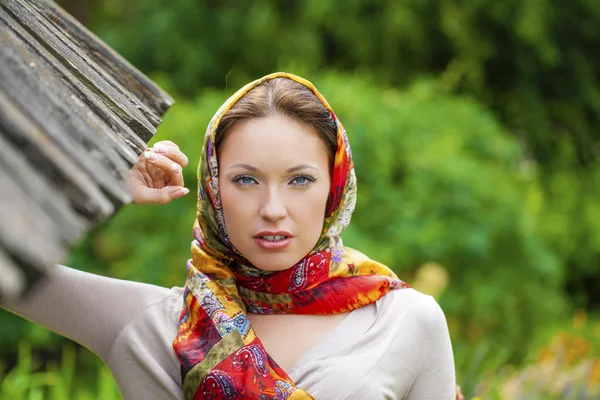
{"points": [[289, 170]]}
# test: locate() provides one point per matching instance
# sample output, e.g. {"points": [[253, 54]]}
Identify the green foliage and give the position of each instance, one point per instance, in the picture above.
{"points": [[562, 363], [570, 211], [55, 382], [533, 62]]}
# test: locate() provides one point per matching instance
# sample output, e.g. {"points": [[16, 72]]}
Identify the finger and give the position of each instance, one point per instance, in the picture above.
{"points": [[170, 168], [459, 395], [168, 143], [171, 151], [146, 195]]}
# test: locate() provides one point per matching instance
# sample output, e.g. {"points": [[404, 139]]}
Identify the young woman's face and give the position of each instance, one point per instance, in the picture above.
{"points": [[274, 182]]}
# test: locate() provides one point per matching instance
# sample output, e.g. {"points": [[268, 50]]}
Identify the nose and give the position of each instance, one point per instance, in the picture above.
{"points": [[273, 208]]}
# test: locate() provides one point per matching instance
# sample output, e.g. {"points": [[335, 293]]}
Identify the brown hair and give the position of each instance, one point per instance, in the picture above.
{"points": [[284, 97]]}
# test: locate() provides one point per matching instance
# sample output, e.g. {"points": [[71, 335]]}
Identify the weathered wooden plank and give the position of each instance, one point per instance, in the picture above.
{"points": [[42, 162], [87, 72], [38, 68], [110, 61], [74, 117], [29, 231], [14, 277], [32, 84]]}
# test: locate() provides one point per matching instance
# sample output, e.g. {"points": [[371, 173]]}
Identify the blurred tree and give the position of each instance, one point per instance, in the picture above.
{"points": [[81, 10], [535, 62]]}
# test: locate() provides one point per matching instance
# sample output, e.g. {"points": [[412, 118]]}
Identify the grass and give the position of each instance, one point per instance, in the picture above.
{"points": [[566, 366], [56, 381]]}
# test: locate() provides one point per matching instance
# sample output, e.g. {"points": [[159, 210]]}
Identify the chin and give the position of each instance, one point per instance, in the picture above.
{"points": [[274, 262]]}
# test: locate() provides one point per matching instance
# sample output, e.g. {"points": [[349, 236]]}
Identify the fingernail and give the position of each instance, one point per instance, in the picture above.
{"points": [[159, 148], [150, 156], [175, 167], [179, 193]]}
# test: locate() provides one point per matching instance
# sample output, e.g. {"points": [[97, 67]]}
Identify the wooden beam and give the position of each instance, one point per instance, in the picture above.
{"points": [[74, 117]]}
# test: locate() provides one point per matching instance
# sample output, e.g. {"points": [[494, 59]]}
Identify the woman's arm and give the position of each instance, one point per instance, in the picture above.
{"points": [[87, 308], [93, 309]]}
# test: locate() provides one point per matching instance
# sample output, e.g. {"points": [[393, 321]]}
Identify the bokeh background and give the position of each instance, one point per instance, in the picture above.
{"points": [[474, 126]]}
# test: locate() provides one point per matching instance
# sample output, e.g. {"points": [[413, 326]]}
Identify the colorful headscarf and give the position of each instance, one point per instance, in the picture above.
{"points": [[221, 357]]}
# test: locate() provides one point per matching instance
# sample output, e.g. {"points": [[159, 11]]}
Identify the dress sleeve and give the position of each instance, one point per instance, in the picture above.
{"points": [[87, 308], [436, 378]]}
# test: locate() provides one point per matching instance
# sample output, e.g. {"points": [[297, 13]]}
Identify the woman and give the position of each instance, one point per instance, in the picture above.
{"points": [[274, 306]]}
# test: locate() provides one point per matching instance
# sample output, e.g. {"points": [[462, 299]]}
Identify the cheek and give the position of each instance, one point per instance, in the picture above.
{"points": [[233, 208], [322, 196], [310, 209]]}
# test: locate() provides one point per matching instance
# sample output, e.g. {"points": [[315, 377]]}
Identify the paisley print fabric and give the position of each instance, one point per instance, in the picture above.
{"points": [[221, 356]]}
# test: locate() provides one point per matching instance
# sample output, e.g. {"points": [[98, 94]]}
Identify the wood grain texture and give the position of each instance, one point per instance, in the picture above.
{"points": [[74, 117]]}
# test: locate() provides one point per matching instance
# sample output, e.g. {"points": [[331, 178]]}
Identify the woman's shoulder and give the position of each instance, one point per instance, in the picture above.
{"points": [[406, 335], [409, 306]]}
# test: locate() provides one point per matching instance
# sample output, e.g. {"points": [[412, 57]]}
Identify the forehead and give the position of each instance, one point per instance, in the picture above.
{"points": [[272, 140]]}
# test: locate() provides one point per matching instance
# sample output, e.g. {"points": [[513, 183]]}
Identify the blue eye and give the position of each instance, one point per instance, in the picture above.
{"points": [[247, 180], [243, 180], [303, 180]]}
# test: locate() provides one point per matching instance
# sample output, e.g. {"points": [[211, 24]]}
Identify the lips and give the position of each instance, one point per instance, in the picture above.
{"points": [[285, 234], [273, 240]]}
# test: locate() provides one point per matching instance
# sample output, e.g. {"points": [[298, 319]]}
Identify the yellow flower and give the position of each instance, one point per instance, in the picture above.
{"points": [[580, 319], [431, 279]]}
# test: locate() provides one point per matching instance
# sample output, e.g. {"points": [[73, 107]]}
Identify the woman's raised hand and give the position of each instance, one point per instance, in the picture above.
{"points": [[157, 176]]}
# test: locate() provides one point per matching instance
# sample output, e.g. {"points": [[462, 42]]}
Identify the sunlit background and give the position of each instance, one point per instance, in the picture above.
{"points": [[475, 131]]}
